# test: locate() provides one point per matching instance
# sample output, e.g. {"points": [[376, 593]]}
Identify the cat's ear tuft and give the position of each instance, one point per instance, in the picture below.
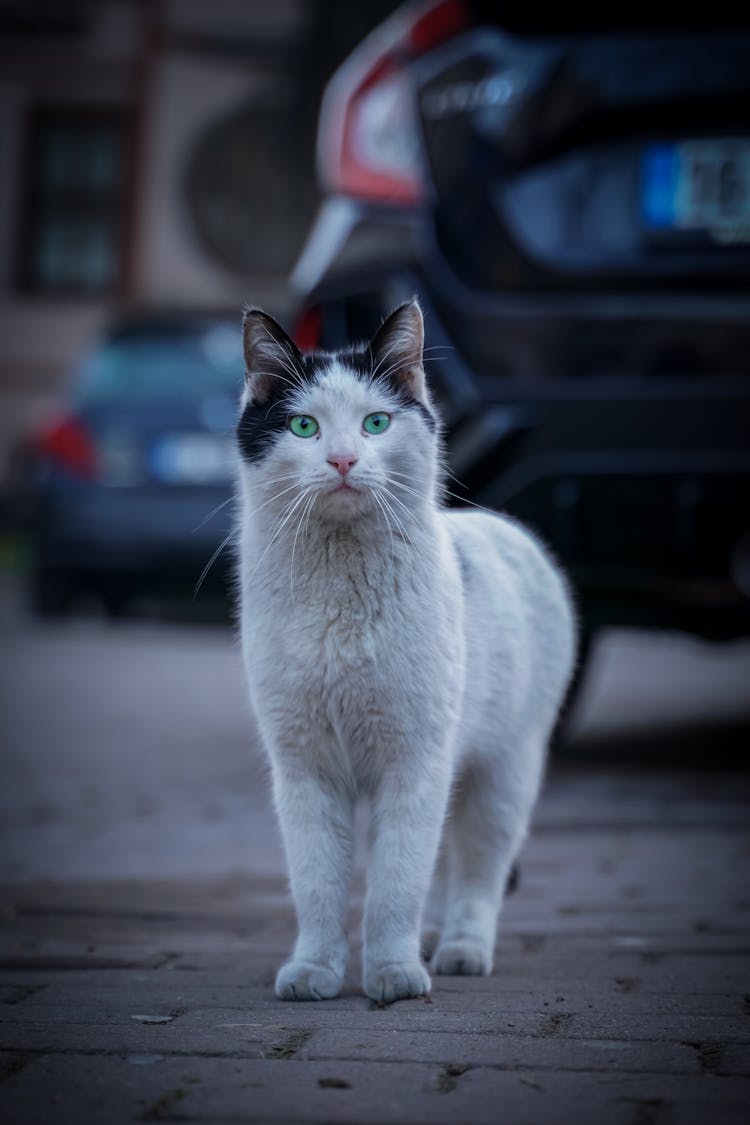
{"points": [[397, 349], [271, 357]]}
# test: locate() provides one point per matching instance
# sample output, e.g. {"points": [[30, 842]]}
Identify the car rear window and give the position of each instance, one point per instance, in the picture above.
{"points": [[164, 365]]}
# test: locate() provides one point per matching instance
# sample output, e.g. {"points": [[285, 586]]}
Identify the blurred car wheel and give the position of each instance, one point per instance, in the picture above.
{"points": [[51, 595]]}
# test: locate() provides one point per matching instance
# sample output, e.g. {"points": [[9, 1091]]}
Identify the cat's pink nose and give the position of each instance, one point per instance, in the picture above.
{"points": [[342, 461]]}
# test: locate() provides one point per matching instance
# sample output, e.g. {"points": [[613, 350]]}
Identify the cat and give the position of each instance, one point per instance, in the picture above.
{"points": [[394, 649]]}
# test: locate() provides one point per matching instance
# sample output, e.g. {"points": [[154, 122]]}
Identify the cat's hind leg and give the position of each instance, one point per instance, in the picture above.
{"points": [[490, 811], [434, 911]]}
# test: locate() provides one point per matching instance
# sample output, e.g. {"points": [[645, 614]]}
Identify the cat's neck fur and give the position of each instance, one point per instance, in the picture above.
{"points": [[367, 551]]}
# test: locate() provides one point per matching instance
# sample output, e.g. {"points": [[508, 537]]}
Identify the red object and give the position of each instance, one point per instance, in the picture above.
{"points": [[369, 106], [438, 23], [68, 443], [307, 331]]}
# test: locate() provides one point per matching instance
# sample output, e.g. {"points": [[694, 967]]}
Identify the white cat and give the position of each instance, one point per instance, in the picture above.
{"points": [[394, 649]]}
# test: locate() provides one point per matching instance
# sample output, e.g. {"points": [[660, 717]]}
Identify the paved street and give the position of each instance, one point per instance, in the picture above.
{"points": [[144, 907]]}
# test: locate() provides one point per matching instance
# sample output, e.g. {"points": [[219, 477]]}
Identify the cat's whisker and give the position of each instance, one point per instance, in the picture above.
{"points": [[444, 489], [293, 477], [398, 522], [305, 511], [212, 513], [412, 515], [292, 474], [400, 502], [284, 519], [296, 375], [386, 355], [281, 405], [449, 473], [401, 484], [382, 377], [471, 503], [276, 496], [380, 504], [279, 353], [393, 497], [309, 513], [296, 383], [287, 512], [274, 480], [204, 573], [400, 473], [399, 526]]}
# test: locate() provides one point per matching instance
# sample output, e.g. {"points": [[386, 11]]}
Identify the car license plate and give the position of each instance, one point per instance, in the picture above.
{"points": [[191, 459], [700, 185]]}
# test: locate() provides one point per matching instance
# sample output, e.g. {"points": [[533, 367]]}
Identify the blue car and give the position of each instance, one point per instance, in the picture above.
{"points": [[132, 483]]}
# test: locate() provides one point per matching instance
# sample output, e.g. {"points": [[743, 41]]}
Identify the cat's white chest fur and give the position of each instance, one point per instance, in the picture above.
{"points": [[393, 649], [358, 649]]}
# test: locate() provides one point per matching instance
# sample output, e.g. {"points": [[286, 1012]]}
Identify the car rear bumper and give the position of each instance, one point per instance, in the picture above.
{"points": [[161, 532]]}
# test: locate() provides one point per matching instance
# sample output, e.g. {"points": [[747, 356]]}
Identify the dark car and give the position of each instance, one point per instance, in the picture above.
{"points": [[129, 489], [572, 206]]}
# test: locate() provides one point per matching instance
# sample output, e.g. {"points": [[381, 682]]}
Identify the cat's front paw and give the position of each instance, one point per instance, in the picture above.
{"points": [[462, 958], [397, 981], [306, 980]]}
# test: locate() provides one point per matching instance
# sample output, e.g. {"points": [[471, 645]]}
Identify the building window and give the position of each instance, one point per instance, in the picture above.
{"points": [[76, 201]]}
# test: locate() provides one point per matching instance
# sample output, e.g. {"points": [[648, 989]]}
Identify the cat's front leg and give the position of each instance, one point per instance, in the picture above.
{"points": [[316, 824], [407, 817]]}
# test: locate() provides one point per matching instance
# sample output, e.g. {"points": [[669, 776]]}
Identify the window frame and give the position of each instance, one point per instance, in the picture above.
{"points": [[116, 203]]}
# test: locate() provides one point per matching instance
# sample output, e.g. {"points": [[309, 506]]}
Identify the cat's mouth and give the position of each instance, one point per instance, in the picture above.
{"points": [[346, 498], [343, 486]]}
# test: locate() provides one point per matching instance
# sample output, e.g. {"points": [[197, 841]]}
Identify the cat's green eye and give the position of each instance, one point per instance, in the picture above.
{"points": [[303, 425], [376, 423]]}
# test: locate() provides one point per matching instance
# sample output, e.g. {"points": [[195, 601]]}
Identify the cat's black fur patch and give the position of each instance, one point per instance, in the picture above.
{"points": [[261, 422], [258, 427], [414, 404]]}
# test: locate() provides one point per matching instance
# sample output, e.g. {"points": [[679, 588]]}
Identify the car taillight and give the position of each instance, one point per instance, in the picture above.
{"points": [[308, 329], [368, 140], [68, 444]]}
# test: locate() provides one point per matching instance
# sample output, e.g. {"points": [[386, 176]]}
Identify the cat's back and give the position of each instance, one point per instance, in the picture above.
{"points": [[520, 622], [498, 554]]}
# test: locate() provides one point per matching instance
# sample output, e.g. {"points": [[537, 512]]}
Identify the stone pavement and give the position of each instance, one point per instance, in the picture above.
{"points": [[621, 993], [143, 910]]}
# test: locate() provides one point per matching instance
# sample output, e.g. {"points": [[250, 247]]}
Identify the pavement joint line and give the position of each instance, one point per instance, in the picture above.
{"points": [[704, 1045], [31, 1053]]}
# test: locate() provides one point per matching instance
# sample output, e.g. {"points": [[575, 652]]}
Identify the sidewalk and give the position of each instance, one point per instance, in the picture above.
{"points": [[620, 992], [144, 912]]}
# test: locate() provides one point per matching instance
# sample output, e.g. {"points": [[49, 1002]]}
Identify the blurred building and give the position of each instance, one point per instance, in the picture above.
{"points": [[153, 152]]}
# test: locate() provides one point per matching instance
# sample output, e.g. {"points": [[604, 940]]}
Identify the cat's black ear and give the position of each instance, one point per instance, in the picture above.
{"points": [[271, 357], [397, 350]]}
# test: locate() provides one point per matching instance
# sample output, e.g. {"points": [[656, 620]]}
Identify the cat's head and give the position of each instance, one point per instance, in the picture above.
{"points": [[353, 429]]}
